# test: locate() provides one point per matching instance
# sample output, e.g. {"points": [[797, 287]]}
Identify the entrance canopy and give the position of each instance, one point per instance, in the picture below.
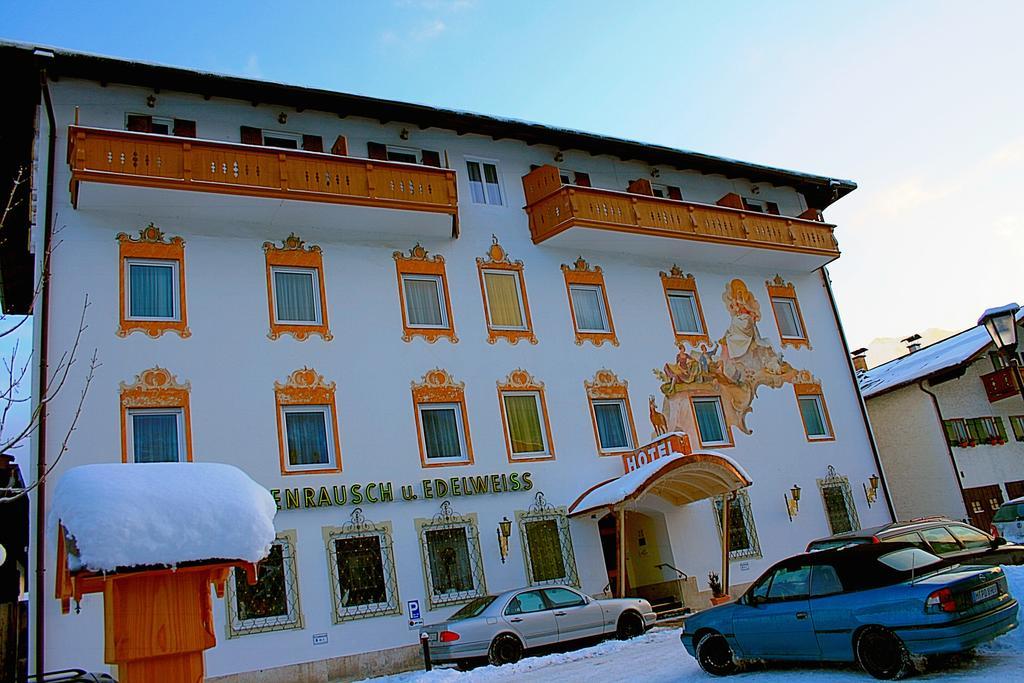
{"points": [[677, 478]]}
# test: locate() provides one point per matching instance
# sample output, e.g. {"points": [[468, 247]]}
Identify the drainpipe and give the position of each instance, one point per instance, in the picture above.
{"points": [[860, 398], [43, 303], [949, 449]]}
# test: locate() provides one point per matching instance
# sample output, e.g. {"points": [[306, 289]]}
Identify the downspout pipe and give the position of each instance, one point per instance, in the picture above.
{"points": [[43, 321], [826, 281], [949, 449]]}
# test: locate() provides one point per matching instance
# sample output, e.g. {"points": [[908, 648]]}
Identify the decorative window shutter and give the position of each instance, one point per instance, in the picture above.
{"points": [[183, 128], [376, 150], [312, 143], [340, 146], [1000, 427], [640, 186], [140, 124], [431, 158], [252, 136], [675, 193], [812, 215], [951, 436], [731, 200], [974, 429], [582, 179]]}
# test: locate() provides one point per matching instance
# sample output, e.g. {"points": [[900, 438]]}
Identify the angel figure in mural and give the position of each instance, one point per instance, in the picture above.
{"points": [[745, 353]]}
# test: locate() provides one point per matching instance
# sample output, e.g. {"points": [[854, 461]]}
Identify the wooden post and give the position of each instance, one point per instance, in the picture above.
{"points": [[622, 553], [725, 544]]}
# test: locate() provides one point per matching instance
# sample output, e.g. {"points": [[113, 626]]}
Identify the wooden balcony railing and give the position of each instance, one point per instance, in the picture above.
{"points": [[554, 207], [161, 161], [1000, 384]]}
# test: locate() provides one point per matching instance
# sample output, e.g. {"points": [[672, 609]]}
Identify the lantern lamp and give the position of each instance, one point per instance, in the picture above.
{"points": [[504, 532]]}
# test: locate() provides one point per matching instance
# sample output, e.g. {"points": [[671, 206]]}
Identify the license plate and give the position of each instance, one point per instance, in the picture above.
{"points": [[432, 637], [985, 593]]}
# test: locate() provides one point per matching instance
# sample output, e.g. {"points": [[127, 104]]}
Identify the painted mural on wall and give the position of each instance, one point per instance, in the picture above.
{"points": [[734, 367]]}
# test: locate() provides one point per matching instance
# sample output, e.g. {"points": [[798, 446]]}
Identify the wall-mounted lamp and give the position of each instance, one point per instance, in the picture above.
{"points": [[504, 531], [655, 173], [404, 134], [754, 189], [282, 118], [559, 157], [151, 101], [792, 501], [871, 489]]}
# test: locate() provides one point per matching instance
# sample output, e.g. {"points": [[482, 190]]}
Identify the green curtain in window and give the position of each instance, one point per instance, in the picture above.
{"points": [[611, 428], [296, 301], [307, 438], [155, 437], [450, 568], [708, 422], [441, 433], [684, 315], [524, 426], [503, 299], [546, 556], [423, 302], [810, 409], [151, 291]]}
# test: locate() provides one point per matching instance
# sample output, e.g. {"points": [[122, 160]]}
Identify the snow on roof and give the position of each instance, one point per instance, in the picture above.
{"points": [[923, 363], [125, 515]]}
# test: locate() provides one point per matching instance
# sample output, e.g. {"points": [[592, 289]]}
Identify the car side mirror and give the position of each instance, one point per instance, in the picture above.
{"points": [[998, 541]]}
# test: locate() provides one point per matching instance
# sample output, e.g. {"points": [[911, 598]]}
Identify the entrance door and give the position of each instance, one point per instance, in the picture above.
{"points": [[608, 528], [982, 502]]}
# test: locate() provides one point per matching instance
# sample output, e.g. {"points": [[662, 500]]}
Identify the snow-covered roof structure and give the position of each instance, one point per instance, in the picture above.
{"points": [[138, 515], [940, 357]]}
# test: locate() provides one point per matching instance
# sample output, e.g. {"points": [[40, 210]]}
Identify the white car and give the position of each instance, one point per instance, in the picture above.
{"points": [[1008, 521]]}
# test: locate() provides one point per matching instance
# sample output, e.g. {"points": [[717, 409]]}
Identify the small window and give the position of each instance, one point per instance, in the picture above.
{"points": [[743, 541], [711, 421], [574, 177], [526, 603], [152, 289], [941, 541], [685, 318], [453, 563], [504, 300], [760, 206], [563, 597], [309, 437], [547, 545], [156, 435], [790, 583], [788, 318], [296, 296], [613, 432], [956, 432], [812, 412], [526, 423], [143, 123], [484, 185], [970, 538], [424, 301], [444, 436], [588, 307], [824, 581], [272, 138], [409, 155], [272, 604]]}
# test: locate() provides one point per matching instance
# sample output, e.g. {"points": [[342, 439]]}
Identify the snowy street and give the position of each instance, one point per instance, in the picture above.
{"points": [[659, 657]]}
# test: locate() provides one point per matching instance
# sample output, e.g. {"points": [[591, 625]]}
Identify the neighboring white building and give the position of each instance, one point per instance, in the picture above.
{"points": [[949, 423], [346, 298]]}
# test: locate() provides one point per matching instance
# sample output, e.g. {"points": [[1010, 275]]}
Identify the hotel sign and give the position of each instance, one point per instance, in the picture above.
{"points": [[663, 446]]}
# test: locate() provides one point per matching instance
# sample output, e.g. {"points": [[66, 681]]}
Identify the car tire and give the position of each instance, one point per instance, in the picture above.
{"points": [[505, 649], [714, 655], [881, 653], [630, 626]]}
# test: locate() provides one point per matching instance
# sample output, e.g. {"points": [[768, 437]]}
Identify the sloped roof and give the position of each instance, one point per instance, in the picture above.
{"points": [[931, 360]]}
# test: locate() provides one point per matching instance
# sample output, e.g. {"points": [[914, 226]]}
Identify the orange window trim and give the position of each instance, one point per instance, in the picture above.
{"points": [[150, 244], [439, 387], [809, 389], [725, 421], [607, 386], [581, 273], [306, 387], [777, 287], [294, 253], [155, 388], [418, 263], [520, 380], [498, 260], [677, 281]]}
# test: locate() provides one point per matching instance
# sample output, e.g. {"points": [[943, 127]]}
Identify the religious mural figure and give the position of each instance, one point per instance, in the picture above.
{"points": [[733, 368]]}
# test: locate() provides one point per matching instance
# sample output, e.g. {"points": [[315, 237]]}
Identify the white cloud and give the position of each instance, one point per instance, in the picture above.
{"points": [[428, 30], [252, 67]]}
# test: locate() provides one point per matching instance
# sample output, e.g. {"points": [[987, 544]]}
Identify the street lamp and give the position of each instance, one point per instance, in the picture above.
{"points": [[1001, 324]]}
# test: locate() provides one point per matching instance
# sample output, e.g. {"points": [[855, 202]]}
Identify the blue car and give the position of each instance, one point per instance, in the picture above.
{"points": [[885, 606]]}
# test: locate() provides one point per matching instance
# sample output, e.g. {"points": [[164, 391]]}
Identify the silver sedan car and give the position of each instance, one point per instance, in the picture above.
{"points": [[500, 628]]}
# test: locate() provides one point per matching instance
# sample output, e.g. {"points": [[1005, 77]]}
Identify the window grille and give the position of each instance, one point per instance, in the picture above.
{"points": [[547, 544], [743, 541], [452, 565], [272, 604], [838, 499], [362, 568]]}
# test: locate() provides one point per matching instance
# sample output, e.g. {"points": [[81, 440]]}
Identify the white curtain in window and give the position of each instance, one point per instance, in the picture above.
{"points": [[684, 313], [296, 301], [307, 438], [423, 302], [611, 428], [589, 307], [155, 437], [151, 291], [476, 183], [493, 187]]}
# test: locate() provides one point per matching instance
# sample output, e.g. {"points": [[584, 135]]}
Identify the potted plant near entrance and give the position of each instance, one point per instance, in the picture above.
{"points": [[718, 596]]}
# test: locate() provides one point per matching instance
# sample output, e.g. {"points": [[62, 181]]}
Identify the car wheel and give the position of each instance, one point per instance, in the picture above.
{"points": [[630, 626], [714, 655], [505, 649], [881, 653]]}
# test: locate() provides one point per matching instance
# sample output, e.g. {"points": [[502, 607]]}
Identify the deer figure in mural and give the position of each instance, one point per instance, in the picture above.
{"points": [[658, 420]]}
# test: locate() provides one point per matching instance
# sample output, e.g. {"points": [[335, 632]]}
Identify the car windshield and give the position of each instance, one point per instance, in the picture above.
{"points": [[474, 608], [830, 543], [1008, 513], [908, 559]]}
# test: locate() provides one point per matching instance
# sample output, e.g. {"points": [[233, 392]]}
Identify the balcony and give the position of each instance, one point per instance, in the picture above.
{"points": [[1000, 384], [585, 218], [235, 183]]}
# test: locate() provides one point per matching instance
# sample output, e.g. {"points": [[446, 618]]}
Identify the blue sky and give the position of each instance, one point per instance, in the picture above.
{"points": [[918, 102]]}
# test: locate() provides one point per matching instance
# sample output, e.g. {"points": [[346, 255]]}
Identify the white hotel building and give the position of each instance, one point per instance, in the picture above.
{"points": [[409, 323]]}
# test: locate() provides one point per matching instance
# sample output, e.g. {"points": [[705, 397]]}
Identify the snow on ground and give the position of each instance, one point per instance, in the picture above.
{"points": [[659, 657], [162, 514]]}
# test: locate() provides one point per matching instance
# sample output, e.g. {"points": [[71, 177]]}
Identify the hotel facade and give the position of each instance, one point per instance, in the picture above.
{"points": [[433, 335]]}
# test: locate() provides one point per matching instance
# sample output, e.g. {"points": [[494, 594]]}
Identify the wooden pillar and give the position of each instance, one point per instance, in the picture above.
{"points": [[725, 544], [622, 553]]}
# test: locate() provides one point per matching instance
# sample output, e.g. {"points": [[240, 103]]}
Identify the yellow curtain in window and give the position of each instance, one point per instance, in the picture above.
{"points": [[524, 424], [503, 299]]}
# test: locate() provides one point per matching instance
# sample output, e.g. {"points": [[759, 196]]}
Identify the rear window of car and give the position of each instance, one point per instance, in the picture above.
{"points": [[1009, 513], [971, 538], [473, 608], [908, 559]]}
